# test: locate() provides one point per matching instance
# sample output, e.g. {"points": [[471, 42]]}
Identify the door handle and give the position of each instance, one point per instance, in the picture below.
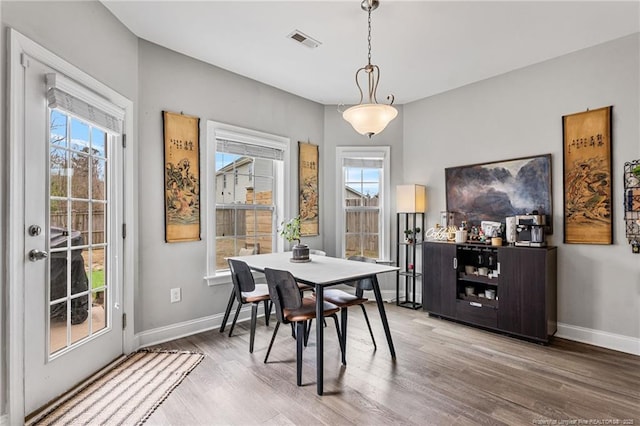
{"points": [[455, 263], [35, 255]]}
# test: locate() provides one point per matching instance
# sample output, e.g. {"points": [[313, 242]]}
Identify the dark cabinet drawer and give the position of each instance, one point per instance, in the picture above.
{"points": [[479, 315]]}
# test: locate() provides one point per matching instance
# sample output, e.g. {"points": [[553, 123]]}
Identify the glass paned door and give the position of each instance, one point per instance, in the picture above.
{"points": [[78, 206], [73, 252]]}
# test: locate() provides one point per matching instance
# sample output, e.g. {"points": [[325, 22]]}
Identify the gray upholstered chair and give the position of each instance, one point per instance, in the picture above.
{"points": [[344, 300], [292, 308], [245, 290]]}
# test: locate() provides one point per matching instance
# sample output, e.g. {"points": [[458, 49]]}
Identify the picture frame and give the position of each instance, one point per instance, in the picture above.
{"points": [[496, 190], [308, 190], [587, 177], [181, 177]]}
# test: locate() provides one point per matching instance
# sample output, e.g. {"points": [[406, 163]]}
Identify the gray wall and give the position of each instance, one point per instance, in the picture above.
{"points": [[520, 114], [517, 114], [173, 82], [86, 35]]}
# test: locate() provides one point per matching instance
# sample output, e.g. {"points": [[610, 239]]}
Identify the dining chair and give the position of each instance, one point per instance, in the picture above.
{"points": [[247, 250], [292, 308], [245, 290], [344, 300]]}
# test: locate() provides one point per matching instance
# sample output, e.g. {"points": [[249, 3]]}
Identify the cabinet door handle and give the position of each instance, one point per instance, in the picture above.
{"points": [[476, 304], [455, 263]]}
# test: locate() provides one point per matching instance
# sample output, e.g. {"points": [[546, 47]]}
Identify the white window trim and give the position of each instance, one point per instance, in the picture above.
{"points": [[215, 131], [383, 152]]}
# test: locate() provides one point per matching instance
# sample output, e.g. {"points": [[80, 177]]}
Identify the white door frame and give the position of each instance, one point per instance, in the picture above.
{"points": [[16, 250]]}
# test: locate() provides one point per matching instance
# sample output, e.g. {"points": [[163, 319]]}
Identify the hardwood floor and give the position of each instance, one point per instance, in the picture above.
{"points": [[445, 373]]}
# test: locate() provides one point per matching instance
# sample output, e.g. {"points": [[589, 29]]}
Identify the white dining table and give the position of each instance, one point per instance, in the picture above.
{"points": [[321, 272]]}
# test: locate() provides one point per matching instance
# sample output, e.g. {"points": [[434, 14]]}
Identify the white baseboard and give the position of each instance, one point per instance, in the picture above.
{"points": [[188, 328], [617, 342], [159, 335]]}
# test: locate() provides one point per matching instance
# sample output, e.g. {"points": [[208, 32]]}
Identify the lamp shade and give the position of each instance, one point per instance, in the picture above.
{"points": [[370, 119], [411, 199]]}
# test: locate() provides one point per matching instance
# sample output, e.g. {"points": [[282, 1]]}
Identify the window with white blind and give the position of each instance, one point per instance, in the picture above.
{"points": [[363, 190], [248, 193]]}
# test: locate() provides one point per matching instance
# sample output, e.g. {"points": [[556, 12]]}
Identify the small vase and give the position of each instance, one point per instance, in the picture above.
{"points": [[300, 253]]}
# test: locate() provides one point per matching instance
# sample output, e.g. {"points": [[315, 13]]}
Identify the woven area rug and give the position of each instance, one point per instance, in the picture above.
{"points": [[128, 393]]}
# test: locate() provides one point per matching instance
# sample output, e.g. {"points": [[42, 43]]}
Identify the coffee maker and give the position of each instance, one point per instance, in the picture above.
{"points": [[530, 230]]}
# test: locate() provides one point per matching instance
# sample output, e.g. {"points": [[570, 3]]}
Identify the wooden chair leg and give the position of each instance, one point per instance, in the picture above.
{"points": [[273, 338], [366, 318], [299, 347], [254, 317], [235, 318], [228, 311]]}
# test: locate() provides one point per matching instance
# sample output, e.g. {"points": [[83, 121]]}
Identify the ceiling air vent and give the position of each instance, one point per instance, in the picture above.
{"points": [[304, 39]]}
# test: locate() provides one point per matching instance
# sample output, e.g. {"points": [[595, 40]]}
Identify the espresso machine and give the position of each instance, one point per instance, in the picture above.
{"points": [[530, 230]]}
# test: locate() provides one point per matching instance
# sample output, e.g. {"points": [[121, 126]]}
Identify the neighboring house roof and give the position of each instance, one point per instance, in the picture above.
{"points": [[235, 164], [358, 193]]}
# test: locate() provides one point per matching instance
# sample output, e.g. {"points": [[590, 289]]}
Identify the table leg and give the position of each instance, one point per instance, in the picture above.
{"points": [[319, 338], [383, 315]]}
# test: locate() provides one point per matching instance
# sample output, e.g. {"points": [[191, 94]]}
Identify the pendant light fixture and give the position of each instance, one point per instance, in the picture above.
{"points": [[370, 118]]}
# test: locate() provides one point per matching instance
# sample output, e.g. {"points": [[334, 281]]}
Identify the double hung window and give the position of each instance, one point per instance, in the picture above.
{"points": [[363, 189], [249, 188]]}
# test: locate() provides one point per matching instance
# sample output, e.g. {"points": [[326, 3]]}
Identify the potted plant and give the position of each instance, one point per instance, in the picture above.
{"points": [[409, 234], [290, 231]]}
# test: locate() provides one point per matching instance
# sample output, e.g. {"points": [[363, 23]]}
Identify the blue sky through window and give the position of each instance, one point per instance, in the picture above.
{"points": [[224, 159], [82, 134], [363, 180]]}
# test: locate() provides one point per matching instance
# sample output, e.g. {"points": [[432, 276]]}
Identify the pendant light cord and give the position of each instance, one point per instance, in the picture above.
{"points": [[369, 36]]}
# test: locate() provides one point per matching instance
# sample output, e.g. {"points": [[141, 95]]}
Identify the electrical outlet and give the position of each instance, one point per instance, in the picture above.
{"points": [[175, 295]]}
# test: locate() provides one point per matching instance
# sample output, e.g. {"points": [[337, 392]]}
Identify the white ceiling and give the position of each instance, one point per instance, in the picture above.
{"points": [[422, 47]]}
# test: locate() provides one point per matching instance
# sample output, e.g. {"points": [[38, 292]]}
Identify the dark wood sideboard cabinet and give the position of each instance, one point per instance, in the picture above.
{"points": [[507, 289]]}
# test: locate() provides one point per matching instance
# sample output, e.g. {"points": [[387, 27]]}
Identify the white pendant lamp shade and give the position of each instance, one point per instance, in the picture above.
{"points": [[370, 119]]}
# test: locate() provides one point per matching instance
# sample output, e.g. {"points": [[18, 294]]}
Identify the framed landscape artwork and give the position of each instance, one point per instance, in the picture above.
{"points": [[308, 189], [587, 177], [181, 177], [493, 191]]}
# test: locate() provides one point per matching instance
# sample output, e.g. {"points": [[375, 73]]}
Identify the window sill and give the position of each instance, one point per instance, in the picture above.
{"points": [[223, 278]]}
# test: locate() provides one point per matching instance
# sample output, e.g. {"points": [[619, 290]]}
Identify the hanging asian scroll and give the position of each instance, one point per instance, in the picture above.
{"points": [[181, 177], [308, 189], [588, 216]]}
